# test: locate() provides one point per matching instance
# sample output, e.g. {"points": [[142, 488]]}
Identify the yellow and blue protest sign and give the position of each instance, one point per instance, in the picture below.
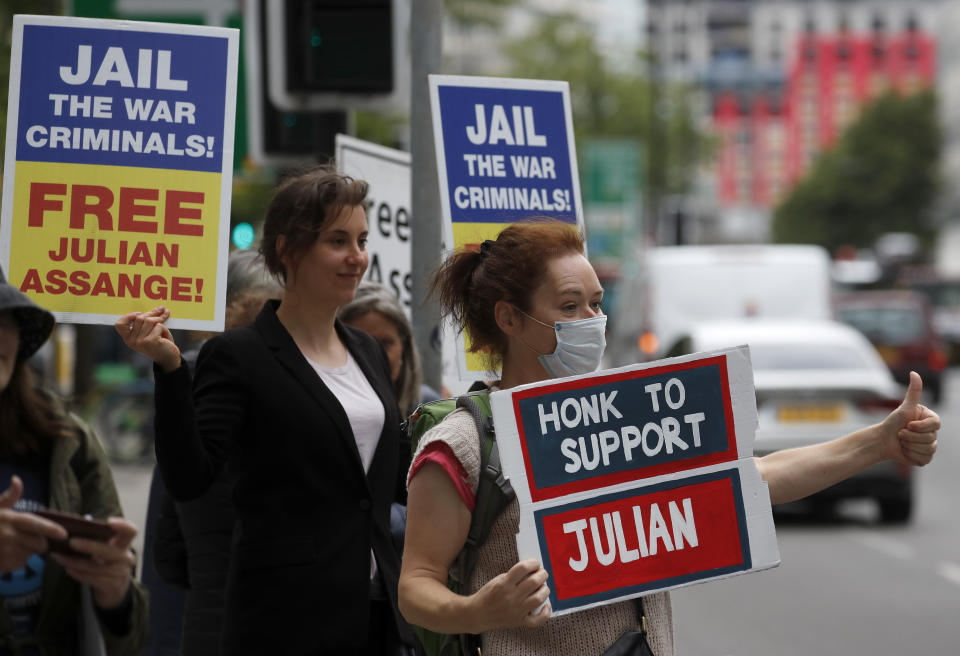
{"points": [[118, 167], [505, 154]]}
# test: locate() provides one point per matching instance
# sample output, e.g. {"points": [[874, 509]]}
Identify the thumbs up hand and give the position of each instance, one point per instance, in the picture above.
{"points": [[22, 534], [909, 433]]}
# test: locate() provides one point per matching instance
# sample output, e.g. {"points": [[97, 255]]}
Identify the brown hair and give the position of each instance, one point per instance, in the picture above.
{"points": [[301, 207], [471, 281], [30, 418]]}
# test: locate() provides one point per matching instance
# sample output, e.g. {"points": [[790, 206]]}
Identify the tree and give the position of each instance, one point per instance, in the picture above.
{"points": [[880, 177], [620, 102], [7, 9]]}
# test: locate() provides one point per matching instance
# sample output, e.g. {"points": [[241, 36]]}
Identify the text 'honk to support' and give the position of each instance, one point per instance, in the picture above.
{"points": [[666, 434]]}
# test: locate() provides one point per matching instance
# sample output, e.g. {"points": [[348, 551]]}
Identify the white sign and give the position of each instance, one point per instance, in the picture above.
{"points": [[638, 480]]}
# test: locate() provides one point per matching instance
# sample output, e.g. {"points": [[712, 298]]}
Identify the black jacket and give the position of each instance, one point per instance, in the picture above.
{"points": [[307, 514]]}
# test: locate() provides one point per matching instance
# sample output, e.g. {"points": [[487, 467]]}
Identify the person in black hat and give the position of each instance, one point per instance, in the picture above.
{"points": [[54, 462]]}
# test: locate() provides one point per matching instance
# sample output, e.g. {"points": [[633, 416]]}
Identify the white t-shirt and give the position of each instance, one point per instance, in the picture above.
{"points": [[360, 402]]}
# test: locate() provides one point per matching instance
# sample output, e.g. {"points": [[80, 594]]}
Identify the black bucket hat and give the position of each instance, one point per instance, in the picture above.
{"points": [[35, 323]]}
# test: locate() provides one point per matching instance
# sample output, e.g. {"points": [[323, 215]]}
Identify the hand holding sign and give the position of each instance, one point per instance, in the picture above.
{"points": [[515, 598], [145, 333], [909, 433]]}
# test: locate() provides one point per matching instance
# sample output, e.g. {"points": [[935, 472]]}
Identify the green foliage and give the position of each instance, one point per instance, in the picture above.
{"points": [[7, 10], [880, 177], [478, 12], [621, 102]]}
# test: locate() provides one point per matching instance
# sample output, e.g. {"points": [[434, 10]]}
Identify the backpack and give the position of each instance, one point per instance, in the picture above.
{"points": [[494, 493]]}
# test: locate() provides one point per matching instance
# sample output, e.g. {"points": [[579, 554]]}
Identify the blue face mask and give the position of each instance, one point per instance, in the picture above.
{"points": [[580, 346]]}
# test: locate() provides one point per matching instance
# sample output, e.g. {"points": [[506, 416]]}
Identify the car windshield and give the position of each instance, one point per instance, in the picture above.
{"points": [[767, 357], [889, 325]]}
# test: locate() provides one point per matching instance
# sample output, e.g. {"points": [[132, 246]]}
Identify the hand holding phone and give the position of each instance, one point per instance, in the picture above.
{"points": [[77, 526]]}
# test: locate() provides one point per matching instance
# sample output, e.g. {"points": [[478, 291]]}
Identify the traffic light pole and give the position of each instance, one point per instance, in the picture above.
{"points": [[425, 55]]}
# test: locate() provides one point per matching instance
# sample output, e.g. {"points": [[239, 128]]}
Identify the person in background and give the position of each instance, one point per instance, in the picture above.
{"points": [[533, 300], [53, 461], [187, 545], [377, 312], [302, 407]]}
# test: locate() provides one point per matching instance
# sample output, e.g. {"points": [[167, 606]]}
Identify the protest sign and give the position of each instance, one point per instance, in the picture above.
{"points": [[118, 167], [387, 171], [637, 480], [505, 153]]}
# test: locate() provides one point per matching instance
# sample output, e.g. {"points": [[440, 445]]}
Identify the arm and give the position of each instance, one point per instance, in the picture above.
{"points": [[194, 424], [908, 435], [507, 600]]}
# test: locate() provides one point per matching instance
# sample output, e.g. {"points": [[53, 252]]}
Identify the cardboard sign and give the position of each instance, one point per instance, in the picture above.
{"points": [[637, 480], [388, 210], [505, 153], [118, 168]]}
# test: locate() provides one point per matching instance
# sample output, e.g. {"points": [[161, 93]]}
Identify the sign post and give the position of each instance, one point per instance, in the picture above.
{"points": [[118, 168], [637, 480]]}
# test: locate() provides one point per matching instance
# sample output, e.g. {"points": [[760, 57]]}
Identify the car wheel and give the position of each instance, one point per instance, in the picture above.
{"points": [[895, 511]]}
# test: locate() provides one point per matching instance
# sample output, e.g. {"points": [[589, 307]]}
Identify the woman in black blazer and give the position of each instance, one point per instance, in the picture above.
{"points": [[301, 410]]}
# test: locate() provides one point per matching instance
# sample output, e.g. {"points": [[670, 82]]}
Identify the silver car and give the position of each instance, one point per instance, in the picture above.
{"points": [[817, 380]]}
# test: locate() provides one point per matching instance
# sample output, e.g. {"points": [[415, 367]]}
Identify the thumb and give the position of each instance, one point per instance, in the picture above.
{"points": [[912, 398], [12, 494]]}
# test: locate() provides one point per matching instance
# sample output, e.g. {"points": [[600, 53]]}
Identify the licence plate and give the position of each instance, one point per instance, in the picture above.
{"points": [[813, 413]]}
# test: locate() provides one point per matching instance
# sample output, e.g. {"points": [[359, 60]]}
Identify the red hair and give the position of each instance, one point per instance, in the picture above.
{"points": [[470, 282]]}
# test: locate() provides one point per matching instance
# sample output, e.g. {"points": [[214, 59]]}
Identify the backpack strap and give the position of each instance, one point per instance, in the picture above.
{"points": [[494, 494]]}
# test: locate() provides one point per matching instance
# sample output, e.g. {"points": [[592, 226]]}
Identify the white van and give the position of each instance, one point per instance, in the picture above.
{"points": [[679, 286]]}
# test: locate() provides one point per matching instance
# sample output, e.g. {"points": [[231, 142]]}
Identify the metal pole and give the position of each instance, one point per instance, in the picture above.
{"points": [[425, 54]]}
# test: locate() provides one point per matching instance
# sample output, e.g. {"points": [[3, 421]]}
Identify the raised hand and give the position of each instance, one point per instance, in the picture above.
{"points": [[146, 333], [909, 433]]}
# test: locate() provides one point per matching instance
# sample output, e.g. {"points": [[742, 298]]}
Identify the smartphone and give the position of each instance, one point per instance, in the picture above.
{"points": [[77, 526]]}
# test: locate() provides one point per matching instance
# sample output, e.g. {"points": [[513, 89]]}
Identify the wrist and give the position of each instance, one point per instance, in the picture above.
{"points": [[168, 364], [472, 608]]}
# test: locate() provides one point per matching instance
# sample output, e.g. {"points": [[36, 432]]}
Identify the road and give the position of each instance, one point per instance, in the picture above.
{"points": [[846, 585]]}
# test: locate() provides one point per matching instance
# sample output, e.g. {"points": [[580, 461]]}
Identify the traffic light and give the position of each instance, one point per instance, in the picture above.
{"points": [[277, 135], [339, 45], [327, 55]]}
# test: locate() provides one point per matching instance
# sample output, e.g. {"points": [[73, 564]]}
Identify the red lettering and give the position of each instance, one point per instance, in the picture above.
{"points": [[61, 255], [168, 255], [103, 286], [81, 283], [56, 281], [129, 209], [31, 282], [155, 288], [127, 285], [174, 213], [40, 204], [141, 254], [81, 206], [102, 257], [180, 289]]}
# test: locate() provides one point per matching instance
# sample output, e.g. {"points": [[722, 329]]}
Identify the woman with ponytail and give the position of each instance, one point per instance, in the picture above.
{"points": [[531, 301]]}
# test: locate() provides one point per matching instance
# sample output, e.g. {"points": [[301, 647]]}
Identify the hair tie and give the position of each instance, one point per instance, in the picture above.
{"points": [[485, 247]]}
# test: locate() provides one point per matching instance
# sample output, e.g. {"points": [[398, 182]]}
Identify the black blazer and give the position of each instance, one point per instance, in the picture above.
{"points": [[307, 514]]}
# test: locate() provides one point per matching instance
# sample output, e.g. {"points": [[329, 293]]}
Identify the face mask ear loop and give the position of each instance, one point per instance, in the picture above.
{"points": [[533, 318]]}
